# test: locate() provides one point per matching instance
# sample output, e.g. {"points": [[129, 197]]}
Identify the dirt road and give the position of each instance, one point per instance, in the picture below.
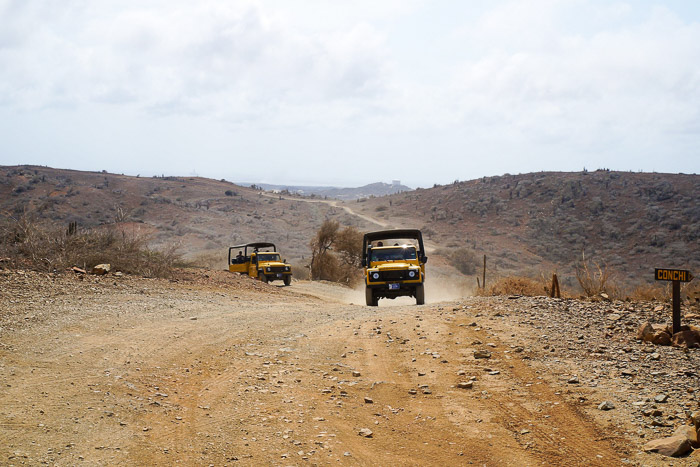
{"points": [[331, 202], [430, 246], [218, 369]]}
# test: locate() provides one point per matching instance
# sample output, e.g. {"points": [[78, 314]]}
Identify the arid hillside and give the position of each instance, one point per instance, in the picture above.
{"points": [[202, 216], [530, 224], [543, 222]]}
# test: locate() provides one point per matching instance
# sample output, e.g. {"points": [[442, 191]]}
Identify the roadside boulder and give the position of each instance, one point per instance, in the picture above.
{"points": [[690, 433], [661, 338], [645, 331], [687, 339], [658, 334], [482, 354], [673, 446], [101, 269], [695, 420]]}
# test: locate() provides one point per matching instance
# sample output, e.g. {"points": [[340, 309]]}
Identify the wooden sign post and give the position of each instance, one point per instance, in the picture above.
{"points": [[676, 276]]}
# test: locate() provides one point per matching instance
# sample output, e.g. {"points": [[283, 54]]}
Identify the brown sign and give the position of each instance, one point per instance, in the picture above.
{"points": [[673, 275]]}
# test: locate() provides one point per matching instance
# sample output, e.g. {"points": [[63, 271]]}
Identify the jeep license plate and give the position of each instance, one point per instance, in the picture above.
{"points": [[394, 286], [279, 274]]}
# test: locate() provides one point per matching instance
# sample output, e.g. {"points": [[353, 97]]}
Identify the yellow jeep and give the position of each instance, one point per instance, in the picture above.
{"points": [[259, 260], [394, 262]]}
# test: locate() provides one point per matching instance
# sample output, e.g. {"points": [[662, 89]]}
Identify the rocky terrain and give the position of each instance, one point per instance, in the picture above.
{"points": [[214, 368], [653, 387]]}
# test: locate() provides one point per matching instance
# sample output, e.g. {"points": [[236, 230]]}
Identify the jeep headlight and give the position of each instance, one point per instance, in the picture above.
{"points": [[267, 269], [286, 268], [375, 276], [411, 274]]}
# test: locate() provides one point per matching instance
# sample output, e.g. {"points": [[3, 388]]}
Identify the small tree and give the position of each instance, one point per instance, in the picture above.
{"points": [[349, 247], [336, 254], [321, 264]]}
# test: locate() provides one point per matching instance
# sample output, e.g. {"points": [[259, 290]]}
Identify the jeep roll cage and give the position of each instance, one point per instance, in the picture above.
{"points": [[411, 234], [256, 246]]}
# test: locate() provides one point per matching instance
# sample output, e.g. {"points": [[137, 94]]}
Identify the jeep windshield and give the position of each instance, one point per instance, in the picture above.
{"points": [[397, 253], [268, 257]]}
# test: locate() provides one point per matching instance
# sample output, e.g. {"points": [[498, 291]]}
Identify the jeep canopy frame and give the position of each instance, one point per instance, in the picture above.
{"points": [[411, 234], [253, 246]]}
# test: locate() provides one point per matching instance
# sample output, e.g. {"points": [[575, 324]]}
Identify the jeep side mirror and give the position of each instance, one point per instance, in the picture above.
{"points": [[424, 259]]}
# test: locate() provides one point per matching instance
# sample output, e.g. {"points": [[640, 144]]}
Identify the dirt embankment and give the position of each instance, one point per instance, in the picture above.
{"points": [[218, 369]]}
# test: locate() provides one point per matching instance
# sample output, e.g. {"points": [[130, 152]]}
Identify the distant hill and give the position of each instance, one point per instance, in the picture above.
{"points": [[367, 191], [201, 215], [543, 222]]}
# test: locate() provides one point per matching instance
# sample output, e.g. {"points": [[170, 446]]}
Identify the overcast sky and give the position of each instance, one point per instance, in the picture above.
{"points": [[350, 92]]}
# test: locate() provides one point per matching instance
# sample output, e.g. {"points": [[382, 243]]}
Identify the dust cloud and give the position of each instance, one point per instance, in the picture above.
{"points": [[444, 289], [438, 289]]}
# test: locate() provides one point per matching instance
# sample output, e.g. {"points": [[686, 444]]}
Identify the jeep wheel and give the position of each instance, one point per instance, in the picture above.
{"points": [[287, 280], [262, 277], [420, 295], [370, 298]]}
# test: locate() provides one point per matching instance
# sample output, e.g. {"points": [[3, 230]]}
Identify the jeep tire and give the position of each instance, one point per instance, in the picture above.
{"points": [[287, 280], [370, 298], [420, 295]]}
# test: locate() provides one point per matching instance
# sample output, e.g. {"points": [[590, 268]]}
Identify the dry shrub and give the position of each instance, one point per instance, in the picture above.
{"points": [[661, 291], [336, 254], [516, 285], [595, 278], [32, 245], [300, 271], [464, 260]]}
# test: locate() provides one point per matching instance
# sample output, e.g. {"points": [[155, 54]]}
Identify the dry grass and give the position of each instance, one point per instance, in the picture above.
{"points": [[595, 278], [516, 285], [25, 243], [210, 260], [691, 291], [647, 292]]}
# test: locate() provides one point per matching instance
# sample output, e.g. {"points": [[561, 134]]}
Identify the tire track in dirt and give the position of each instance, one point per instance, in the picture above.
{"points": [[563, 434], [508, 432], [270, 381]]}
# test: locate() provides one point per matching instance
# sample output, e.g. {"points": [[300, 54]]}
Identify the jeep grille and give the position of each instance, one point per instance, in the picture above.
{"points": [[395, 275]]}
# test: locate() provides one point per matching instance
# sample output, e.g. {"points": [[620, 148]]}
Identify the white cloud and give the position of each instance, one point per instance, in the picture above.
{"points": [[583, 78], [191, 58]]}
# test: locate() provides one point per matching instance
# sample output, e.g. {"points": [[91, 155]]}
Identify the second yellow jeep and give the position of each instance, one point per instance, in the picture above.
{"points": [[259, 260]]}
